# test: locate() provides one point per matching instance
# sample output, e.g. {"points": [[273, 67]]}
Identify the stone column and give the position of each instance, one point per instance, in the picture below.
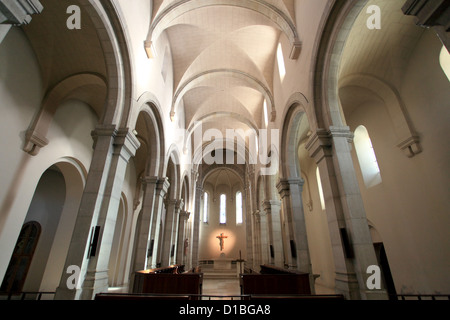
{"points": [[143, 249], [249, 225], [291, 195], [160, 192], [264, 237], [196, 229], [168, 253], [272, 209], [351, 242], [184, 216], [99, 206], [256, 239]]}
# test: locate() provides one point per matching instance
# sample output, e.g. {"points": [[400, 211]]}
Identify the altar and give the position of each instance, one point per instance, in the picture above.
{"points": [[222, 264]]}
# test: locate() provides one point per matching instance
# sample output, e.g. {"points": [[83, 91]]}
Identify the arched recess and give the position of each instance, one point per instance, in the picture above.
{"points": [[408, 139], [88, 87], [147, 123], [55, 206], [296, 127]]}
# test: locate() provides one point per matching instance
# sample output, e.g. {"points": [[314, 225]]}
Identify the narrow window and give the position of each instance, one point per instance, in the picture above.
{"points": [[366, 157], [266, 116], [205, 207], [444, 60], [280, 59], [319, 184], [239, 218], [223, 212]]}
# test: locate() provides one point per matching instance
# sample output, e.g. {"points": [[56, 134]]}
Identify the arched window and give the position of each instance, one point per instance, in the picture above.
{"points": [[205, 207], [280, 60], [223, 209], [366, 157], [266, 114], [444, 60], [239, 217], [319, 184]]}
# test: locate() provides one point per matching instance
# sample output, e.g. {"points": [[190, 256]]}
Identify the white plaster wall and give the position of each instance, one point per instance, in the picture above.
{"points": [[319, 242], [45, 208], [21, 94], [409, 208], [209, 248]]}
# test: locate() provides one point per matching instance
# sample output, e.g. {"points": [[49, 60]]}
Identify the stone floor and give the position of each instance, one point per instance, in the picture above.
{"points": [[220, 283]]}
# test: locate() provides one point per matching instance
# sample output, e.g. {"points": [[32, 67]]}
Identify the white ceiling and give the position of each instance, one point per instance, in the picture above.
{"points": [[223, 53]]}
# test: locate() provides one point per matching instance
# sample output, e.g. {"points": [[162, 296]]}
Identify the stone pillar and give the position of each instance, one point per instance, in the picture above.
{"points": [[155, 227], [264, 237], [256, 239], [351, 242], [291, 195], [184, 216], [272, 209], [99, 206], [196, 229], [169, 248], [249, 225], [143, 249]]}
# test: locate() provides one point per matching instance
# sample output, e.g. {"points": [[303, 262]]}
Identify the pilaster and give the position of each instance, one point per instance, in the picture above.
{"points": [[352, 245], [162, 187]]}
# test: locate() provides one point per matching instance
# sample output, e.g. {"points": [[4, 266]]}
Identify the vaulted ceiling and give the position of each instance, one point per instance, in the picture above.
{"points": [[223, 54]]}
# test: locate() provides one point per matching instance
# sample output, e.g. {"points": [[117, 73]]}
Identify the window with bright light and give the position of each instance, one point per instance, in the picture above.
{"points": [[280, 59], [319, 184], [223, 208], [205, 207], [266, 116], [366, 157], [239, 218], [444, 60]]}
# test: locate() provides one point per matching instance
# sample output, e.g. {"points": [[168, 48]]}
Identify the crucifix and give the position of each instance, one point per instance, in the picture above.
{"points": [[221, 241]]}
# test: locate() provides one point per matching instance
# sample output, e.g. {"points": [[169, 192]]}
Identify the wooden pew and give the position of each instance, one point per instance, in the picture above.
{"points": [[269, 269], [275, 284], [168, 281], [138, 297]]}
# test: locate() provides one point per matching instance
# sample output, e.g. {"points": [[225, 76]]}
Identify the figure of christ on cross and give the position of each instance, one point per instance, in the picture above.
{"points": [[221, 241]]}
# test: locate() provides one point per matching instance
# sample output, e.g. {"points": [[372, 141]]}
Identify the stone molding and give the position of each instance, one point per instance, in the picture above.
{"points": [[18, 12]]}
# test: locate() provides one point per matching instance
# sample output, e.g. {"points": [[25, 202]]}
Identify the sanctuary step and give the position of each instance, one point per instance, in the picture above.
{"points": [[209, 272]]}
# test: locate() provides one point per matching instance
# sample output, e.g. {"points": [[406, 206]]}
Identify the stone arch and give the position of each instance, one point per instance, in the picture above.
{"points": [[278, 17], [35, 137], [328, 48], [296, 116], [153, 137], [408, 139], [112, 36], [252, 81]]}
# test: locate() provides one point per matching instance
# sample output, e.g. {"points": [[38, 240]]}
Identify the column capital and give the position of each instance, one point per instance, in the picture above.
{"points": [[149, 180], [320, 142], [18, 12], [185, 214], [162, 186], [284, 185], [127, 142]]}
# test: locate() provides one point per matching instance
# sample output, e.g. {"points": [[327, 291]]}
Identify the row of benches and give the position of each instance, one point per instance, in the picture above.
{"points": [[174, 283]]}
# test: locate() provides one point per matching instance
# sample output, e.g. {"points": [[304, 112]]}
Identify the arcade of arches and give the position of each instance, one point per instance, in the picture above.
{"points": [[293, 133]]}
